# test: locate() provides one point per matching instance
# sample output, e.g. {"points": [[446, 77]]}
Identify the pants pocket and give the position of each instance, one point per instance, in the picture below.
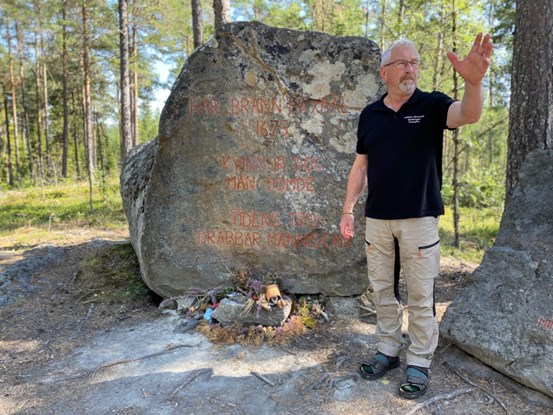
{"points": [[425, 250], [427, 263]]}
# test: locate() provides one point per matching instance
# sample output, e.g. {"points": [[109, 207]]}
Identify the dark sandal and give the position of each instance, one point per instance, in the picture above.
{"points": [[378, 365], [416, 383]]}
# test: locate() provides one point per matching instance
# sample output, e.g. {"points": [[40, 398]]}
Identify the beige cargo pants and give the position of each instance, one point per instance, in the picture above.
{"points": [[416, 245]]}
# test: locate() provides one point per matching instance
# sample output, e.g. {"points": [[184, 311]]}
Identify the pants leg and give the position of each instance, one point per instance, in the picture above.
{"points": [[420, 258], [381, 249]]}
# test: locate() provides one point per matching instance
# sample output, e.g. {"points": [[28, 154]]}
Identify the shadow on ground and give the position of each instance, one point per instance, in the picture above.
{"points": [[68, 348]]}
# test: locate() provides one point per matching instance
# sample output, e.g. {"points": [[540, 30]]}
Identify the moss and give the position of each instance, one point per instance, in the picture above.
{"points": [[116, 274]]}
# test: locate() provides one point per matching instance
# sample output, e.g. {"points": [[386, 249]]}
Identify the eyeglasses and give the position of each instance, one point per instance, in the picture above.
{"points": [[401, 64]]}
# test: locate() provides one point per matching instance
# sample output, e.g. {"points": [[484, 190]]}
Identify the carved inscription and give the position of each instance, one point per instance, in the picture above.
{"points": [[267, 229], [270, 118], [249, 173], [545, 323], [269, 115]]}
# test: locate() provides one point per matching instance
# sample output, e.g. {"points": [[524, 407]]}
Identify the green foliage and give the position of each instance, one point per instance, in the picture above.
{"points": [[164, 33], [477, 189], [149, 124], [483, 159], [478, 230], [66, 203], [304, 313], [290, 17]]}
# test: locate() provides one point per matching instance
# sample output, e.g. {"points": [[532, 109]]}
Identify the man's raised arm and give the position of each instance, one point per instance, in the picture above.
{"points": [[472, 69]]}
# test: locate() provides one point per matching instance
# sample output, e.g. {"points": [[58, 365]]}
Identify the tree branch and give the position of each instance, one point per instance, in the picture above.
{"points": [[446, 396]]}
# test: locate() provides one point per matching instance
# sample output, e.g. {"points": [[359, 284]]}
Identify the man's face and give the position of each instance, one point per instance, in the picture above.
{"points": [[401, 81]]}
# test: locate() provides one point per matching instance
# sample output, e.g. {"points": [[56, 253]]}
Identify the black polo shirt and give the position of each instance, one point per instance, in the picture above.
{"points": [[404, 151]]}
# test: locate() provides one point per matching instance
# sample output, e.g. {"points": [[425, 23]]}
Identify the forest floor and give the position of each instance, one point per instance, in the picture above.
{"points": [[75, 341]]}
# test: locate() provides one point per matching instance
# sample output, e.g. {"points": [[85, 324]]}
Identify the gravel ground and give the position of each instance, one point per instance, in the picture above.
{"points": [[67, 348]]}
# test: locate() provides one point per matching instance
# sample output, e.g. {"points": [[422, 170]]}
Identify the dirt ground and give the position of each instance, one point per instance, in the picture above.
{"points": [[74, 342]]}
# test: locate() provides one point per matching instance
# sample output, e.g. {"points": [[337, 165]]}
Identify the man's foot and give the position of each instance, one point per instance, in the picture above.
{"points": [[378, 365], [416, 383]]}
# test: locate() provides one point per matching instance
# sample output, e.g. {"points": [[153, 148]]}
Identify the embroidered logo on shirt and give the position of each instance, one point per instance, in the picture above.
{"points": [[414, 119]]}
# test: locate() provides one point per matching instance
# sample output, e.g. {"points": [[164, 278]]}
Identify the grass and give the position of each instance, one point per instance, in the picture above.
{"points": [[34, 215], [31, 215], [478, 228], [67, 202]]}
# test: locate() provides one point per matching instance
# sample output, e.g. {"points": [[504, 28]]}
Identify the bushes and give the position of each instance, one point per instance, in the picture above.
{"points": [[477, 189]]}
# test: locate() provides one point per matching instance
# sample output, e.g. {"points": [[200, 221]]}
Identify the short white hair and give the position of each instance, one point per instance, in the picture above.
{"points": [[405, 43]]}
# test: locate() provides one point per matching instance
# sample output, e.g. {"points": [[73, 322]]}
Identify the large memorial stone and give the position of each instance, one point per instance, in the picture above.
{"points": [[250, 167], [505, 316]]}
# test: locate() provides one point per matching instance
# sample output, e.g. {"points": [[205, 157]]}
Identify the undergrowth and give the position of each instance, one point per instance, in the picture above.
{"points": [[478, 228], [254, 335], [114, 275]]}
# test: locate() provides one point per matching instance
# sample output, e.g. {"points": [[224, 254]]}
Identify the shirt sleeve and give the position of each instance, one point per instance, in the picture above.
{"points": [[442, 103], [361, 129]]}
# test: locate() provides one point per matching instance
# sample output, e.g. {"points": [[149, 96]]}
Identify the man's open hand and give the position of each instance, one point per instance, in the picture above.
{"points": [[473, 68]]}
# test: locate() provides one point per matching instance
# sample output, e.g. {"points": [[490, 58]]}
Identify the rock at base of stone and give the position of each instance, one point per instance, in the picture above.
{"points": [[343, 307], [231, 312]]}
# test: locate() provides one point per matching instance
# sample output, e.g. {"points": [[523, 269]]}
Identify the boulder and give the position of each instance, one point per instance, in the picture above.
{"points": [[250, 167], [504, 317]]}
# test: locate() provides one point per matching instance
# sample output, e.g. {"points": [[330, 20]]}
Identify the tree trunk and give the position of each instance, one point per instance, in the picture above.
{"points": [[101, 156], [87, 107], [456, 214], [491, 19], [531, 109], [49, 167], [39, 113], [7, 118], [197, 25], [221, 10], [436, 77], [14, 103], [87, 100], [26, 122], [65, 134], [382, 23], [400, 17], [318, 15], [45, 97], [126, 138], [366, 18], [134, 54], [75, 136]]}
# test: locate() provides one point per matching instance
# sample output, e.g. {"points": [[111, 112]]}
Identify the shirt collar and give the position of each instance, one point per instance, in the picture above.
{"points": [[413, 99]]}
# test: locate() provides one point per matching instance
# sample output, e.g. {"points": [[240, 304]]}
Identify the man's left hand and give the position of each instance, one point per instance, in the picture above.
{"points": [[473, 68]]}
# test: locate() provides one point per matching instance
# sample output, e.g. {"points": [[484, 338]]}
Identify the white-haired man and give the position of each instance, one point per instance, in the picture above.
{"points": [[399, 159]]}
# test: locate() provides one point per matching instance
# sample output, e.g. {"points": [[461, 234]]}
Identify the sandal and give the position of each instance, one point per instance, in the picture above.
{"points": [[416, 383], [378, 365]]}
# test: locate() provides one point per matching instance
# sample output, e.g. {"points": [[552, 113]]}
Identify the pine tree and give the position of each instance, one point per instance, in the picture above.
{"points": [[530, 117]]}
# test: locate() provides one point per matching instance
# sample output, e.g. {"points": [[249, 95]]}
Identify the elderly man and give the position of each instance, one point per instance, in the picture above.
{"points": [[399, 158]]}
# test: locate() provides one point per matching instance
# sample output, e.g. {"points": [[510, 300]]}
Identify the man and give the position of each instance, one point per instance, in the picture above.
{"points": [[399, 157]]}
